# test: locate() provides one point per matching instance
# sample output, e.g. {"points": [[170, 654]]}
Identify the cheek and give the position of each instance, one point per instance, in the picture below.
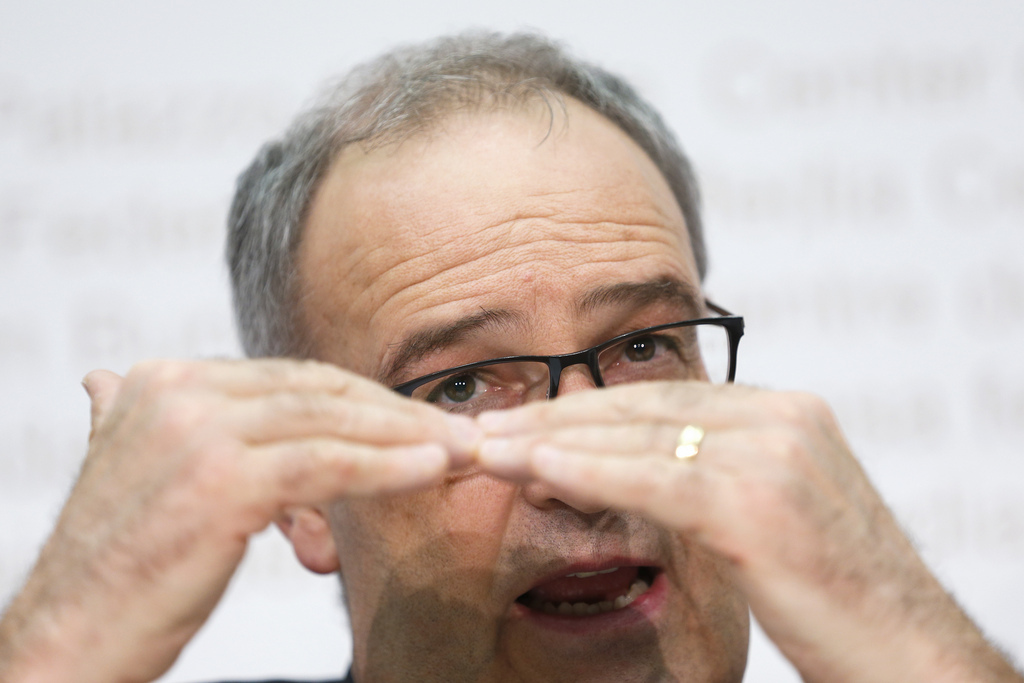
{"points": [[418, 538], [715, 610]]}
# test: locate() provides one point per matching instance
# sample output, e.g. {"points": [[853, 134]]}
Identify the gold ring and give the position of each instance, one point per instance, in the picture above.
{"points": [[688, 445]]}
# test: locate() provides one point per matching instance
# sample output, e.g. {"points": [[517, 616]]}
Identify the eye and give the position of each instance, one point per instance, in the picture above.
{"points": [[455, 389], [641, 349]]}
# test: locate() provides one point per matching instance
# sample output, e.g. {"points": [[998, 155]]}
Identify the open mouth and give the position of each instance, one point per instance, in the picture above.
{"points": [[587, 593]]}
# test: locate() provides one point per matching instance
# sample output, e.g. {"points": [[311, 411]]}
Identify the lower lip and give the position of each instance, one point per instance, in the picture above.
{"points": [[642, 610]]}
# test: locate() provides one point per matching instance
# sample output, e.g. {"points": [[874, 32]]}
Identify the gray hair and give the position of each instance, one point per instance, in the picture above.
{"points": [[394, 96]]}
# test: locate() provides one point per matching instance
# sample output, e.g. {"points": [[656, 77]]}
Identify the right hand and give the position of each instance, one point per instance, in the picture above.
{"points": [[186, 461]]}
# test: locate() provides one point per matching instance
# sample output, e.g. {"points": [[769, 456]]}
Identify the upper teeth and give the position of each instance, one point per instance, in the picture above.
{"points": [[587, 575]]}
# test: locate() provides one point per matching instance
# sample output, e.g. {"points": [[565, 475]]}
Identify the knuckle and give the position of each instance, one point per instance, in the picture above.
{"points": [[157, 377], [813, 405], [275, 370], [297, 468], [783, 407], [178, 418], [786, 450], [306, 405], [348, 470], [799, 409], [216, 470], [821, 412], [767, 498], [298, 373], [286, 369], [343, 421], [293, 470]]}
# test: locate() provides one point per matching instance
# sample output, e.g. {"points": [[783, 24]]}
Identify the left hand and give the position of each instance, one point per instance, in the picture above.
{"points": [[776, 491]]}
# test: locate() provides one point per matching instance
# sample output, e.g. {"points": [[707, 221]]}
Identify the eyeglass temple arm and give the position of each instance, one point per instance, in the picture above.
{"points": [[716, 308]]}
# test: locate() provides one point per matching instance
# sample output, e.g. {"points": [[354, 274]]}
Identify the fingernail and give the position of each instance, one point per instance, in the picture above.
{"points": [[85, 385]]}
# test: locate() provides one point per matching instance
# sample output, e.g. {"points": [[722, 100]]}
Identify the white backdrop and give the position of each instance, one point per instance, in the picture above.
{"points": [[863, 166]]}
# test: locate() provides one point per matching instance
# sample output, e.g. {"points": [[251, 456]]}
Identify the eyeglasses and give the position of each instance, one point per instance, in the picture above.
{"points": [[703, 349]]}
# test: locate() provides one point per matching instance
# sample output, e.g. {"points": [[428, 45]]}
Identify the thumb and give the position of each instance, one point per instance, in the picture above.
{"points": [[102, 387]]}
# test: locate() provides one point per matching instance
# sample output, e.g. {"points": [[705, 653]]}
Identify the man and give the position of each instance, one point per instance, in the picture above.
{"points": [[474, 199]]}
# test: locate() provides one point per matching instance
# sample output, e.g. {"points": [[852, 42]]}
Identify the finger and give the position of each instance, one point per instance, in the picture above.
{"points": [[102, 386], [677, 494], [510, 457], [292, 415], [261, 376], [627, 403], [319, 470]]}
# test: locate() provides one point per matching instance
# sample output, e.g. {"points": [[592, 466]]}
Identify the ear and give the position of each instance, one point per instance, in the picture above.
{"points": [[307, 530]]}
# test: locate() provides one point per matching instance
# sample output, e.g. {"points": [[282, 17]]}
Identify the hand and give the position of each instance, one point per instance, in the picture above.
{"points": [[185, 462], [775, 490]]}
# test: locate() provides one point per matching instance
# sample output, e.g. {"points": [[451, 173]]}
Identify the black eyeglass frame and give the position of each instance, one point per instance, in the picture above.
{"points": [[733, 325]]}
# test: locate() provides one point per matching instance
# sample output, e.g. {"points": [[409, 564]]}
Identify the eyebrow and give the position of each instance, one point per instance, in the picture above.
{"points": [[424, 342], [668, 290]]}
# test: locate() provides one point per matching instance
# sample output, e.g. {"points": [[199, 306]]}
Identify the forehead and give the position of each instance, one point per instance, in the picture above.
{"points": [[496, 209]]}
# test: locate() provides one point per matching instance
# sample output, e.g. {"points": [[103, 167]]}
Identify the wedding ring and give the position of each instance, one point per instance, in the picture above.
{"points": [[688, 444]]}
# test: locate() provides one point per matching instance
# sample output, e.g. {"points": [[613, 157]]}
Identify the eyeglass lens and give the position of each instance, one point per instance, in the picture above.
{"points": [[692, 352]]}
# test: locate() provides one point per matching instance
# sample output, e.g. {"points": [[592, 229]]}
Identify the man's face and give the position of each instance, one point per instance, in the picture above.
{"points": [[493, 236]]}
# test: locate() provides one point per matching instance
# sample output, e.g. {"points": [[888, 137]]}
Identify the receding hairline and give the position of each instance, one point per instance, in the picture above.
{"points": [[559, 117], [553, 105], [447, 106], [402, 92]]}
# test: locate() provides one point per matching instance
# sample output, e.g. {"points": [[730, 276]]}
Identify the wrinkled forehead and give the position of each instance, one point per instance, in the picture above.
{"points": [[501, 208]]}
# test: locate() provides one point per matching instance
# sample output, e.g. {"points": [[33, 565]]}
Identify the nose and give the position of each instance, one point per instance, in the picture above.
{"points": [[544, 497], [575, 378]]}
